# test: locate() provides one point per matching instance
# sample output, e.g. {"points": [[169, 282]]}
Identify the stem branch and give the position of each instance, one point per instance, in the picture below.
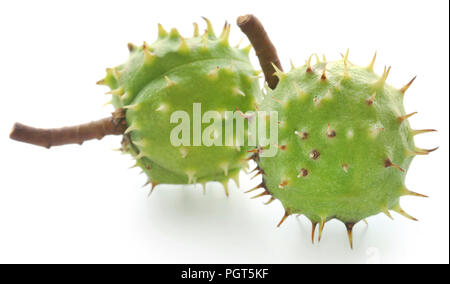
{"points": [[113, 125], [264, 48]]}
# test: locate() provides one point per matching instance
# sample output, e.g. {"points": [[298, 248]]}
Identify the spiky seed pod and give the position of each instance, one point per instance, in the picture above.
{"points": [[171, 75], [347, 143]]}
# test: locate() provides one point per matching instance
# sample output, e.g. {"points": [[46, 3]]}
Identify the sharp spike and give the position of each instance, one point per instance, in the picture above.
{"points": [[405, 117], [260, 195], [229, 69], [346, 73], [331, 133], [131, 47], [308, 65], [420, 131], [412, 193], [161, 31], [280, 74], [247, 49], [214, 74], [170, 83], [365, 222], [324, 75], [224, 36], [132, 127], [257, 72], [337, 86], [101, 82], [224, 167], [174, 33], [384, 77], [225, 188], [209, 27], [184, 47], [314, 154], [191, 176], [419, 151], [149, 57], [321, 226], [235, 178], [196, 33], [346, 54], [269, 201], [245, 161], [140, 155], [388, 163], [239, 43], [387, 213], [300, 92], [205, 40], [256, 169], [257, 150], [414, 153], [161, 108], [115, 73], [124, 97], [257, 174], [372, 63], [292, 64], [132, 107], [119, 92], [328, 96], [141, 143], [317, 58], [400, 211], [303, 173], [238, 91], [349, 227], [254, 78], [283, 184], [345, 167], [313, 231], [370, 100], [281, 147], [286, 214], [377, 130], [397, 167], [184, 152], [303, 135], [406, 87], [152, 187], [224, 29], [261, 185]]}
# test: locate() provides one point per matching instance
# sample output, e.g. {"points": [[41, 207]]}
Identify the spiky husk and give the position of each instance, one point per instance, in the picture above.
{"points": [[171, 75], [345, 143]]}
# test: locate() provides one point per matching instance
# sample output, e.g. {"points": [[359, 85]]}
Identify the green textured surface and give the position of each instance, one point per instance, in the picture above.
{"points": [[171, 75], [366, 135]]}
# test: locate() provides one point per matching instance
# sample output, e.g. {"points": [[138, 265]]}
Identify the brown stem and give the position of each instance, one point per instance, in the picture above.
{"points": [[113, 125], [265, 50]]}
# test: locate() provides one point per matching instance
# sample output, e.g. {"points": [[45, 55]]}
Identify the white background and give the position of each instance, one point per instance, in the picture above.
{"points": [[82, 204]]}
